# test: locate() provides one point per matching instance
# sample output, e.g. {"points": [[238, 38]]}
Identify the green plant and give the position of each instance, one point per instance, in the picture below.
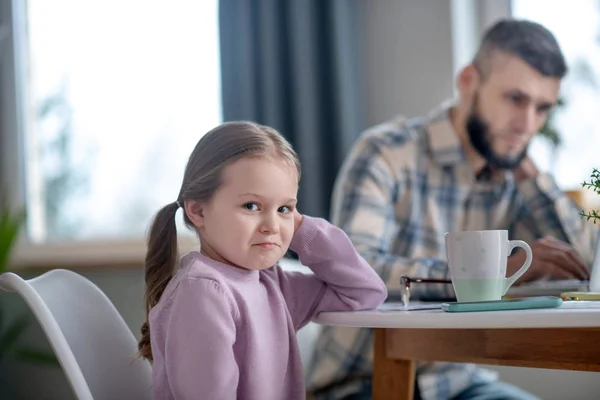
{"points": [[593, 184], [11, 332]]}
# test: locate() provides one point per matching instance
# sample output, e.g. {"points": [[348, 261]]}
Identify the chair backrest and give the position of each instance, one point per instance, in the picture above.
{"points": [[92, 342]]}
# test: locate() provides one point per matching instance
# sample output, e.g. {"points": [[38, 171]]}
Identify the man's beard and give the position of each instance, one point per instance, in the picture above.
{"points": [[480, 137]]}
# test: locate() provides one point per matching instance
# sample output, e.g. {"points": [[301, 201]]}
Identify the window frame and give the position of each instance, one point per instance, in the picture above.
{"points": [[123, 253]]}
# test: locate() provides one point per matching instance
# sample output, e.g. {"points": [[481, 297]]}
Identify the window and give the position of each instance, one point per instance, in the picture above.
{"points": [[576, 26], [118, 92]]}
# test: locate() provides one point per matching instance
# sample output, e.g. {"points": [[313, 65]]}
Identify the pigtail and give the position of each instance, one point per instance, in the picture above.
{"points": [[161, 258]]}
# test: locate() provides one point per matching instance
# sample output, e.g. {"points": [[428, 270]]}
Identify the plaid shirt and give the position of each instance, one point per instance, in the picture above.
{"points": [[404, 185]]}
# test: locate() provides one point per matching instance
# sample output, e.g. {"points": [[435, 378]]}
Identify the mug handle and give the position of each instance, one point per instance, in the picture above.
{"points": [[508, 282]]}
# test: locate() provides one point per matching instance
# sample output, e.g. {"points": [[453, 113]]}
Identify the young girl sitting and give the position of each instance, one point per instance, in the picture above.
{"points": [[223, 325]]}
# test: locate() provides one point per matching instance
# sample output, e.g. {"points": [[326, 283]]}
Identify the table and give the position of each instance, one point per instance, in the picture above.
{"points": [[560, 338]]}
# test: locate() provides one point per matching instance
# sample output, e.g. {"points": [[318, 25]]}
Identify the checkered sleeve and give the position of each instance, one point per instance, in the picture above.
{"points": [[363, 205], [547, 210]]}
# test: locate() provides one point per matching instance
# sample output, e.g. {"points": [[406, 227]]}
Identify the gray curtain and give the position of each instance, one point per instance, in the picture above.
{"points": [[294, 65]]}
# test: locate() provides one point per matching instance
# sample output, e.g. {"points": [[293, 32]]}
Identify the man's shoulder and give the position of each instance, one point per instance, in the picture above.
{"points": [[398, 131], [398, 140]]}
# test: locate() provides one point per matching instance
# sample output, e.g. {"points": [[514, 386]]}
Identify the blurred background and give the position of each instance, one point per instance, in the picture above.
{"points": [[103, 101]]}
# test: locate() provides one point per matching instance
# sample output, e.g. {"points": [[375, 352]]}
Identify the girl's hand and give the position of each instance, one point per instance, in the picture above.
{"points": [[297, 220]]}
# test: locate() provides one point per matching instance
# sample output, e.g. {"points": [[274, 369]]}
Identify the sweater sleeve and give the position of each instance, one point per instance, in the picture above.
{"points": [[342, 280], [199, 359]]}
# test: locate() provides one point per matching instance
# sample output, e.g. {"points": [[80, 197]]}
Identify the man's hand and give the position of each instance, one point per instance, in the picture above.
{"points": [[552, 259], [526, 170]]}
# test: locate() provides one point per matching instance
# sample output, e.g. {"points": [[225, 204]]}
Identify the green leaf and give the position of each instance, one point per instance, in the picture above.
{"points": [[10, 225], [593, 184], [36, 356]]}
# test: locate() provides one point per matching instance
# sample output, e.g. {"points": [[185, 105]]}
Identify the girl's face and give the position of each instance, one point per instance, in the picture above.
{"points": [[249, 222]]}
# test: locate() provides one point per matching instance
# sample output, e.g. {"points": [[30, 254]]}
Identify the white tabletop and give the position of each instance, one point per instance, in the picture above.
{"points": [[569, 315]]}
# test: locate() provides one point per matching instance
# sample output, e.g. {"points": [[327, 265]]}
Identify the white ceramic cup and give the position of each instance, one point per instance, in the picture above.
{"points": [[477, 262]]}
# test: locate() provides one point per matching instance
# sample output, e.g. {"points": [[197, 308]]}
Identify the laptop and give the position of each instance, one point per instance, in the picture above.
{"points": [[555, 288]]}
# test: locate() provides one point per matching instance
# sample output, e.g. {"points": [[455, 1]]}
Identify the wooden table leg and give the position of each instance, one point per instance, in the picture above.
{"points": [[392, 379]]}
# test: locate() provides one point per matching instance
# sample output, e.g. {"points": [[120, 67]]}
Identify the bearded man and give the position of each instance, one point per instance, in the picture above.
{"points": [[464, 166]]}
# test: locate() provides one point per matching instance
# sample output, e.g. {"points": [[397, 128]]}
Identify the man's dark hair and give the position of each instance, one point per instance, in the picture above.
{"points": [[529, 41]]}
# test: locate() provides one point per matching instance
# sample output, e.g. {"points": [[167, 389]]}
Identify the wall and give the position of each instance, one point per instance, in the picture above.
{"points": [[407, 57]]}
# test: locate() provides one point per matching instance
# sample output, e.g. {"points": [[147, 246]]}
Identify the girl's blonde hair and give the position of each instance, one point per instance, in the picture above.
{"points": [[217, 149]]}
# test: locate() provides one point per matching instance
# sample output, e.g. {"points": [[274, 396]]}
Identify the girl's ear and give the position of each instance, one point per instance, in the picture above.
{"points": [[195, 212]]}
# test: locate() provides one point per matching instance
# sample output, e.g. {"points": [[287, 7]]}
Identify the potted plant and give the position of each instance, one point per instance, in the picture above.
{"points": [[593, 184]]}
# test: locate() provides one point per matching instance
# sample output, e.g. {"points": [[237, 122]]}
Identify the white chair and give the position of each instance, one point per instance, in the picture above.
{"points": [[92, 342]]}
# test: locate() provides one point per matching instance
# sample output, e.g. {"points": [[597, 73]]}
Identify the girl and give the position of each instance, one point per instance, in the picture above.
{"points": [[223, 326]]}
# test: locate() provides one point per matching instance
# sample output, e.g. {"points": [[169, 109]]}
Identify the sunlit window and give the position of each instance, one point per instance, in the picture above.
{"points": [[119, 92]]}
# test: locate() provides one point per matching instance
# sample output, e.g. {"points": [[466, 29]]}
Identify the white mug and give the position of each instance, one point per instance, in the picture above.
{"points": [[477, 262]]}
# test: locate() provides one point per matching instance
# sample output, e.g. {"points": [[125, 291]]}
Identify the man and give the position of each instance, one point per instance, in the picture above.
{"points": [[465, 166]]}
